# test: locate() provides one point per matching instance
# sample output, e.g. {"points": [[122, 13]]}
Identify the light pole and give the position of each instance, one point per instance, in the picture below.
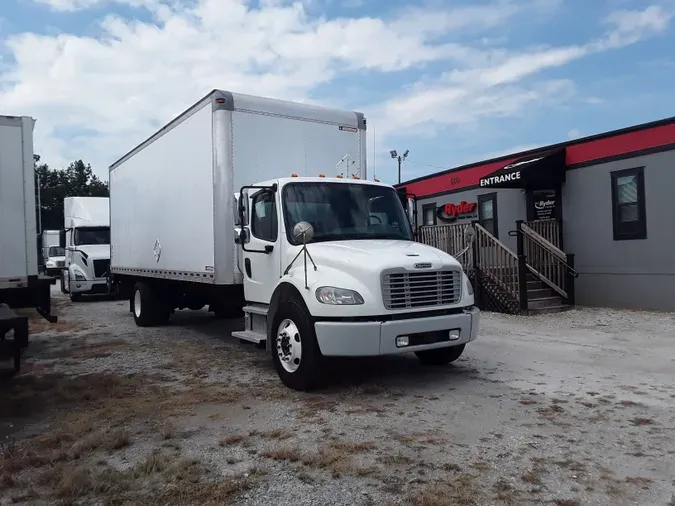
{"points": [[400, 159]]}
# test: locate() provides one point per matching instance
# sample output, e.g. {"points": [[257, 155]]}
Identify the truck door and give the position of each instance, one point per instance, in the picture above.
{"points": [[260, 248]]}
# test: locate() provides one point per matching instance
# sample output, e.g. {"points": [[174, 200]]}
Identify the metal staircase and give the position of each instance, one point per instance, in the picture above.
{"points": [[537, 278]]}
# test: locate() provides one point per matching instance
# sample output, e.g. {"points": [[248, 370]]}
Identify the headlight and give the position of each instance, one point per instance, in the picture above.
{"points": [[469, 287], [79, 276], [49, 263], [339, 296]]}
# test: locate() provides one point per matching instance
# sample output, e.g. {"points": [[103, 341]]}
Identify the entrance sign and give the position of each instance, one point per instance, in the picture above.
{"points": [[543, 170]]}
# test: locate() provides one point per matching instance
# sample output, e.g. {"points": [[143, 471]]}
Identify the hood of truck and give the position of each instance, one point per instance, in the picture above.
{"points": [[96, 251], [377, 255]]}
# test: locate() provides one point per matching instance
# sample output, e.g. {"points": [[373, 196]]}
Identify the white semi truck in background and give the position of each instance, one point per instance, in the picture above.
{"points": [[86, 240], [21, 285], [225, 206]]}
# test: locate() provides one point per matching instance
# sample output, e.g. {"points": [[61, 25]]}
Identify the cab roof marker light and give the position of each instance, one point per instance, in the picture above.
{"points": [[376, 180], [339, 176], [294, 175], [322, 175]]}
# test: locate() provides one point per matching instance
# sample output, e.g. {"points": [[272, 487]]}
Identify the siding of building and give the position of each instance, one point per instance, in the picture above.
{"points": [[636, 274]]}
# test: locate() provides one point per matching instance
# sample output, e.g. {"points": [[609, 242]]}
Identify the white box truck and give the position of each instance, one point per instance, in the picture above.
{"points": [[53, 255], [86, 239], [21, 286], [225, 206]]}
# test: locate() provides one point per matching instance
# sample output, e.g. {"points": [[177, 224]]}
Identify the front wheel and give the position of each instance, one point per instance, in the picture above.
{"points": [[440, 356], [295, 350], [63, 282]]}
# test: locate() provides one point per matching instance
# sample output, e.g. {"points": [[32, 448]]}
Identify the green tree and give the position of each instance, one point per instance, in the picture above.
{"points": [[76, 180]]}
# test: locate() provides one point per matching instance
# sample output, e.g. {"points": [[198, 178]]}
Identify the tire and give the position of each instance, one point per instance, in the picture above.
{"points": [[63, 283], [440, 356], [148, 309], [75, 297], [303, 373]]}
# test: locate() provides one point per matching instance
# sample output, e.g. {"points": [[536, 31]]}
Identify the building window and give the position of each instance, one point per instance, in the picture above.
{"points": [[429, 214], [628, 204], [264, 223], [487, 213]]}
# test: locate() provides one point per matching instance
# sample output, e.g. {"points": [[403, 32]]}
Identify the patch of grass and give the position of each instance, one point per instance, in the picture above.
{"points": [[287, 453], [232, 440], [460, 491], [641, 421], [550, 412], [156, 479]]}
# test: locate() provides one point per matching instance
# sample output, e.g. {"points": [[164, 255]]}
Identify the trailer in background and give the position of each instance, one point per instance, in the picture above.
{"points": [[21, 285]]}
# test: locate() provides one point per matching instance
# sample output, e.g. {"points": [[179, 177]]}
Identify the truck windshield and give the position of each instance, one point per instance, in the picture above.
{"points": [[343, 211], [91, 235], [55, 251]]}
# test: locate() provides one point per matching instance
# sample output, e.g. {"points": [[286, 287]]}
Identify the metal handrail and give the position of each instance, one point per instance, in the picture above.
{"points": [[531, 234]]}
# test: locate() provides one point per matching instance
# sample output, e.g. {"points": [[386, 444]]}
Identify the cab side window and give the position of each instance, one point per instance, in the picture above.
{"points": [[264, 223]]}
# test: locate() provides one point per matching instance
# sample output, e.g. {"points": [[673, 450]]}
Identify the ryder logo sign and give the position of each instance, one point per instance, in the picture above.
{"points": [[452, 212]]}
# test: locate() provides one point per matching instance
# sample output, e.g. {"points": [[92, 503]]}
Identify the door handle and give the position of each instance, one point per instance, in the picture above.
{"points": [[247, 266]]}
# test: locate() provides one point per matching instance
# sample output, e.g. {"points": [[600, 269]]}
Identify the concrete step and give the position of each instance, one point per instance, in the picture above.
{"points": [[544, 302], [550, 309], [539, 292]]}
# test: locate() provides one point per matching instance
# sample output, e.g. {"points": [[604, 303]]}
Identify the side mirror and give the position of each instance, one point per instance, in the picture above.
{"points": [[243, 236], [303, 232], [62, 239]]}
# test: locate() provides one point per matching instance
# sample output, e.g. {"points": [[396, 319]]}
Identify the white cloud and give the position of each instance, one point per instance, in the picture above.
{"points": [[492, 89], [113, 90]]}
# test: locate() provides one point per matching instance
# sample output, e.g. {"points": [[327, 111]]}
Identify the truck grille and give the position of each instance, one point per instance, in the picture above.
{"points": [[101, 268], [60, 263], [404, 289]]}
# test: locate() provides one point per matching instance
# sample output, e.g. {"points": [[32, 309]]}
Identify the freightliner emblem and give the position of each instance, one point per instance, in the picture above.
{"points": [[424, 265]]}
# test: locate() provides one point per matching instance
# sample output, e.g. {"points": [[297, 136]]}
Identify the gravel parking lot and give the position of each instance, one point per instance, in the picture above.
{"points": [[566, 409]]}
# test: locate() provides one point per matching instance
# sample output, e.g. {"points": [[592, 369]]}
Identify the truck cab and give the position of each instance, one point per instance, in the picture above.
{"points": [[86, 240], [330, 268], [55, 260]]}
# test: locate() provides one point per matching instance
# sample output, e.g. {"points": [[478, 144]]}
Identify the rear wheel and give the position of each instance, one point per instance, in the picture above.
{"points": [[440, 356], [148, 309], [295, 350]]}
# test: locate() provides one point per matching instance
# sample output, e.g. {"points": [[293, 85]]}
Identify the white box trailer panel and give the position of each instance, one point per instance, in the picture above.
{"points": [[18, 232], [161, 203], [172, 198]]}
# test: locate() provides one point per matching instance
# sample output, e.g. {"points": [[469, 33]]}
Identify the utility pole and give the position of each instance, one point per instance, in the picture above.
{"points": [[39, 216], [394, 154]]}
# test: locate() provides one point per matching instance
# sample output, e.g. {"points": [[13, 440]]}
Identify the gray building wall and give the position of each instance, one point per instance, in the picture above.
{"points": [[510, 207], [637, 274]]}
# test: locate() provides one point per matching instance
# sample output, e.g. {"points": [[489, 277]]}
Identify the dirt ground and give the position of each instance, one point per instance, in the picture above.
{"points": [[569, 409]]}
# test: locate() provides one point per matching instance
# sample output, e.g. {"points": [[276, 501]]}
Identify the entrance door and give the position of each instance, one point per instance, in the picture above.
{"points": [[487, 213], [260, 251]]}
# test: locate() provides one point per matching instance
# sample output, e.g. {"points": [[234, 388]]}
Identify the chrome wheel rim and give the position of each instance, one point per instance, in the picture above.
{"points": [[289, 345], [137, 303]]}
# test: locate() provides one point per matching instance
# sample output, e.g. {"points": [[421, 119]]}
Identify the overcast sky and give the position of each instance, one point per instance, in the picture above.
{"points": [[452, 81]]}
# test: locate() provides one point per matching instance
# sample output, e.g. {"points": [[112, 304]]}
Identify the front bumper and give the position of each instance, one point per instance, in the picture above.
{"points": [[372, 338], [89, 286]]}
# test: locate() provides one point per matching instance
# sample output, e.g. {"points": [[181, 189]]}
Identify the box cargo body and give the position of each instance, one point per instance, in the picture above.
{"points": [[18, 233], [20, 284], [172, 199]]}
